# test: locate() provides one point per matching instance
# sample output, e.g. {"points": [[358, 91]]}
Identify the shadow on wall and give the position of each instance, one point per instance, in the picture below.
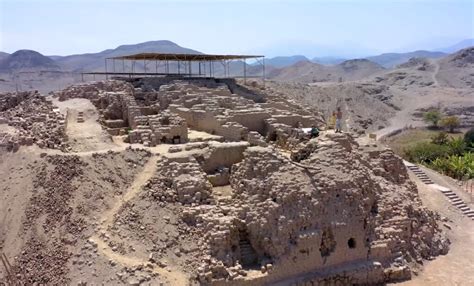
{"points": [[242, 91]]}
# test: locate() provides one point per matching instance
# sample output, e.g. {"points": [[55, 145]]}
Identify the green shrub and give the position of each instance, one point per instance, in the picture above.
{"points": [[456, 146], [450, 122], [459, 167], [425, 152], [469, 138], [432, 117], [440, 138]]}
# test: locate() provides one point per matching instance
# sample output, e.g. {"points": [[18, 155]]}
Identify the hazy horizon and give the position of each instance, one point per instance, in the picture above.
{"points": [[272, 28]]}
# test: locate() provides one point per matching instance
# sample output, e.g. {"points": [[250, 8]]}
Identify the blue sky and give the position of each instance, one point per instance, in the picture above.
{"points": [[313, 28]]}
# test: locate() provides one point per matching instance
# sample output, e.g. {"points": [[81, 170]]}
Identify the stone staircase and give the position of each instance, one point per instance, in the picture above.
{"points": [[247, 253], [457, 202], [452, 196], [419, 173]]}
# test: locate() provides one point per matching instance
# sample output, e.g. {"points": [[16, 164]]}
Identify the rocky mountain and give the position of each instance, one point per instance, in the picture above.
{"points": [[3, 55], [328, 60], [23, 60], [308, 72], [280, 62], [389, 60], [95, 61], [457, 70], [459, 46]]}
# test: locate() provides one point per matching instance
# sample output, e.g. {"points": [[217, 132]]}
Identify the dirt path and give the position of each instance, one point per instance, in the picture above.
{"points": [[174, 276], [435, 72], [86, 134], [454, 268]]}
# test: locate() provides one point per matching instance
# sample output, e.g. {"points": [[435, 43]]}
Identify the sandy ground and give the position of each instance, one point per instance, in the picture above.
{"points": [[85, 135], [194, 136], [455, 268], [427, 97], [174, 276]]}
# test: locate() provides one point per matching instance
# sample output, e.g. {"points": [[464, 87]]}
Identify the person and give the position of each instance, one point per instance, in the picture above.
{"points": [[314, 132], [338, 120], [332, 120]]}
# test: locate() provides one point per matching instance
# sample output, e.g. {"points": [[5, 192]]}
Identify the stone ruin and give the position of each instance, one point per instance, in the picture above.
{"points": [[343, 212], [32, 119], [331, 211], [152, 113]]}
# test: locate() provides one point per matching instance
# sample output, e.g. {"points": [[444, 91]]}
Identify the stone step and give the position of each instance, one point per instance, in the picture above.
{"points": [[464, 209], [459, 204], [469, 211], [247, 253], [456, 200]]}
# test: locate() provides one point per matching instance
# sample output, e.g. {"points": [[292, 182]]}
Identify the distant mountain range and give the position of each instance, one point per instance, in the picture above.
{"points": [[95, 61], [306, 71], [279, 62], [459, 46], [387, 60], [3, 55], [25, 59]]}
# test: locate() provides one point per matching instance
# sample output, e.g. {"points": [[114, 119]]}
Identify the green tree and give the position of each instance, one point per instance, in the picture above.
{"points": [[469, 138], [450, 122], [425, 152], [432, 117]]}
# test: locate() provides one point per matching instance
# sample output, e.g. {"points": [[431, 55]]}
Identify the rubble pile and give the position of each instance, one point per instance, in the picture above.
{"points": [[50, 208], [92, 90], [33, 119], [180, 181]]}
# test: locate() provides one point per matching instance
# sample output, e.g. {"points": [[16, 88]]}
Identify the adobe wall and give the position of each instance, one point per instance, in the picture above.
{"points": [[223, 155]]}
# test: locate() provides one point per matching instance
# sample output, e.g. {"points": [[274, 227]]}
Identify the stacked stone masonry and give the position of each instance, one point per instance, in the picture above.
{"points": [[153, 112]]}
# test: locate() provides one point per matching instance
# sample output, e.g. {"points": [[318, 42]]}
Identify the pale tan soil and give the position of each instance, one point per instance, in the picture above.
{"points": [[429, 97], [87, 135], [194, 135], [14, 180], [173, 276]]}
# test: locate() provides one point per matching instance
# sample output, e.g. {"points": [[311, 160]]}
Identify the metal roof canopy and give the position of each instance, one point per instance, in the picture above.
{"points": [[184, 65], [184, 57]]}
